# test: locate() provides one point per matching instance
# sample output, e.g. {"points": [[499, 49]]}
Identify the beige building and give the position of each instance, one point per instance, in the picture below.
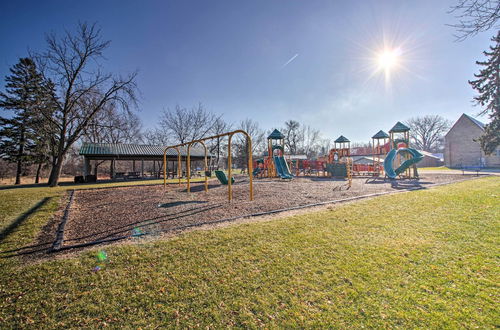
{"points": [[461, 149]]}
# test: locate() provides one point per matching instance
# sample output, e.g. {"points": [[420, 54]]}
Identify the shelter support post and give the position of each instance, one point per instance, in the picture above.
{"points": [[86, 166]]}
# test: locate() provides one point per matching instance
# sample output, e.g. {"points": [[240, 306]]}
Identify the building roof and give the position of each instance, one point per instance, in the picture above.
{"points": [[365, 159], [475, 121], [276, 135], [381, 135], [134, 150], [341, 139], [399, 128], [431, 155]]}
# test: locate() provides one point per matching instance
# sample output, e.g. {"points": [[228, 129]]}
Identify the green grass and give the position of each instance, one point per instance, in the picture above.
{"points": [[422, 259], [436, 168]]}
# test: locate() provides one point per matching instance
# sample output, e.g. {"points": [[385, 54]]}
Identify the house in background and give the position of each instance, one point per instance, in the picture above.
{"points": [[461, 149], [430, 159]]}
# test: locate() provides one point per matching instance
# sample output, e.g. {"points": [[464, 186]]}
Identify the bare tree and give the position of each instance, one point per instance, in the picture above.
{"points": [[301, 139], [324, 146], [293, 136], [184, 125], [113, 126], [216, 145], [309, 144], [258, 139], [475, 16], [73, 63], [157, 136], [256, 133], [427, 131]]}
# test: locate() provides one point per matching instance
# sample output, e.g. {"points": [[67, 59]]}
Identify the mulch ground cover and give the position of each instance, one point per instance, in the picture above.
{"points": [[105, 214]]}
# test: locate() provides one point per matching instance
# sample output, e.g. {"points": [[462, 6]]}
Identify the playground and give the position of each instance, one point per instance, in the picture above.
{"points": [[271, 185], [122, 213]]}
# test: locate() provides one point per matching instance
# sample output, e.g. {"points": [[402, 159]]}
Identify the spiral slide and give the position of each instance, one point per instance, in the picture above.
{"points": [[389, 161]]}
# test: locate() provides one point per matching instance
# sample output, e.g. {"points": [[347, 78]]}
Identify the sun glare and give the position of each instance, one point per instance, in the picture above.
{"points": [[388, 59]]}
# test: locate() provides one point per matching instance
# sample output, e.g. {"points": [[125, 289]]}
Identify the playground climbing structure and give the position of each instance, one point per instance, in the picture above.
{"points": [[339, 160], [401, 160], [379, 150], [274, 164]]}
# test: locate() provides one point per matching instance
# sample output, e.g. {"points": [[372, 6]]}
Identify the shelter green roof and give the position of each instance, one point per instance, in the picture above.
{"points": [[134, 150], [399, 128], [276, 135], [381, 135], [341, 139]]}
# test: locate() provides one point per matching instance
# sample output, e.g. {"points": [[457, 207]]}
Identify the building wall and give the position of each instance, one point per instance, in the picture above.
{"points": [[462, 150]]}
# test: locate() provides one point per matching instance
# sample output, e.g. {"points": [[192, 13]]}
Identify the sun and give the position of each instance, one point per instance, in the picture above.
{"points": [[388, 59]]}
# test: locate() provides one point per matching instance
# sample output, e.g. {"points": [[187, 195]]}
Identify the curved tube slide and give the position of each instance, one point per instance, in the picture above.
{"points": [[389, 161]]}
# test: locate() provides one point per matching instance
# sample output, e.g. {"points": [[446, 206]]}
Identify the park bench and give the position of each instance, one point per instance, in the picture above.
{"points": [[476, 169]]}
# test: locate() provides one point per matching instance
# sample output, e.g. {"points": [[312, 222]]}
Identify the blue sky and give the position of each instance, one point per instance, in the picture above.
{"points": [[231, 56]]}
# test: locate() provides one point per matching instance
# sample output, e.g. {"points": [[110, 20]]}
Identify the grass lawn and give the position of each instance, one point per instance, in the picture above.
{"points": [[436, 168], [427, 258]]}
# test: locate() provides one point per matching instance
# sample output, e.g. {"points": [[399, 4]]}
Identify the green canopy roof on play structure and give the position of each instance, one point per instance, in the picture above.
{"points": [[381, 135], [399, 128], [341, 139], [276, 135]]}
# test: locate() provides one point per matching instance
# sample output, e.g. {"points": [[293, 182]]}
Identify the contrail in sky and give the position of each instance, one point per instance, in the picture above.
{"points": [[290, 60]]}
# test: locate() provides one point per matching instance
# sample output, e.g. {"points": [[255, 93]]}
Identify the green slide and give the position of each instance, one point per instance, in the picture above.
{"points": [[389, 160], [222, 177], [282, 167]]}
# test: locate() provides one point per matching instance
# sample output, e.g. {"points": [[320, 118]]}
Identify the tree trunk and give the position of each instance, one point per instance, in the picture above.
{"points": [[56, 168], [112, 169], [20, 158], [55, 172], [18, 171], [38, 170]]}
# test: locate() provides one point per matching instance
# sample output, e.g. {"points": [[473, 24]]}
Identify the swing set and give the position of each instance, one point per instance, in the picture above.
{"points": [[207, 172]]}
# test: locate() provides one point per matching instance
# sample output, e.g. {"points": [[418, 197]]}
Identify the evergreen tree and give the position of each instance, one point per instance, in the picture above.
{"points": [[45, 139], [22, 94], [487, 85]]}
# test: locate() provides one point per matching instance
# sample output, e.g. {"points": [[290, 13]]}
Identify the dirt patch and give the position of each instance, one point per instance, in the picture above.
{"points": [[113, 213]]}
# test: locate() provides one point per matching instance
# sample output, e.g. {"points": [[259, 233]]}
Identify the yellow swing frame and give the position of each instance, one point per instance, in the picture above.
{"points": [[229, 162]]}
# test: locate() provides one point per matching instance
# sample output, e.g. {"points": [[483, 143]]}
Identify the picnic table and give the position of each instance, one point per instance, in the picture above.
{"points": [[127, 175], [133, 175]]}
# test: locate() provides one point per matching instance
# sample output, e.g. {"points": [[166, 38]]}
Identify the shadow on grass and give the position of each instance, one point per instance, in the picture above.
{"points": [[17, 222], [30, 185], [111, 237], [125, 230], [82, 185]]}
